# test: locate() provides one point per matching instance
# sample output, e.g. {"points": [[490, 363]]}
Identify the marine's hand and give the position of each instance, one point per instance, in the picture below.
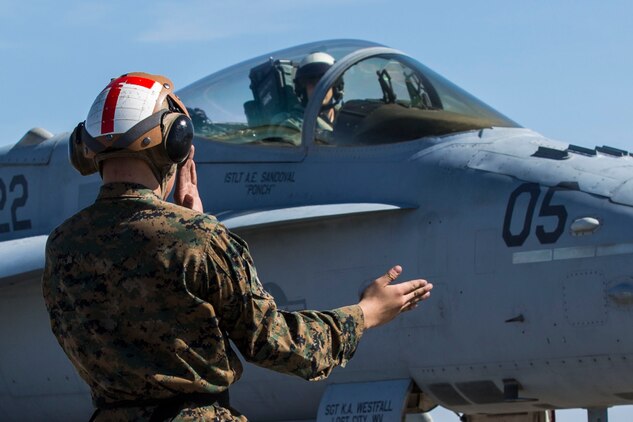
{"points": [[186, 193], [381, 302]]}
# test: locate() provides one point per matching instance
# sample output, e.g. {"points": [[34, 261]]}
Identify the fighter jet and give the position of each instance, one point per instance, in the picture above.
{"points": [[527, 240]]}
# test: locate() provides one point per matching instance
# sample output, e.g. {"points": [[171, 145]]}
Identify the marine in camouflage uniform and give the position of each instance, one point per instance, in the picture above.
{"points": [[144, 296]]}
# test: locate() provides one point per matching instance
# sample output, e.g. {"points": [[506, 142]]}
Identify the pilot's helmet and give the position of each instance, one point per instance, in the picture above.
{"points": [[310, 70], [136, 115]]}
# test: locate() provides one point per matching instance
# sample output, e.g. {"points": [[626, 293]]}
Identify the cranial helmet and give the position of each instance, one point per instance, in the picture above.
{"points": [[310, 70], [136, 115]]}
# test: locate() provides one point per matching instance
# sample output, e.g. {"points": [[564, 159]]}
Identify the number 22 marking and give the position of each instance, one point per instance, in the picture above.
{"points": [[18, 202]]}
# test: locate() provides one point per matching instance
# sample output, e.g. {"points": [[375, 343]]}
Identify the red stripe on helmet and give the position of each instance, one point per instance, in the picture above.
{"points": [[109, 108]]}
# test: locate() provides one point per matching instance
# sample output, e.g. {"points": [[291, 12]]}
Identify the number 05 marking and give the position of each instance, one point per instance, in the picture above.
{"points": [[546, 210]]}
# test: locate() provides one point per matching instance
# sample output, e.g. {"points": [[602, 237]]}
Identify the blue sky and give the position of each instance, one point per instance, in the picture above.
{"points": [[563, 68]]}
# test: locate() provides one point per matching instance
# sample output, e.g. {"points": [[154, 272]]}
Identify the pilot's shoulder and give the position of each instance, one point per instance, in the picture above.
{"points": [[292, 118]]}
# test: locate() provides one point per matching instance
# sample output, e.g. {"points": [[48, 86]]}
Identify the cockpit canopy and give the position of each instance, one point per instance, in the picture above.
{"points": [[381, 96]]}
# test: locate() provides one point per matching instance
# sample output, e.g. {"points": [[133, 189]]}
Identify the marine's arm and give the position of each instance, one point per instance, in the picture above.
{"points": [[307, 343]]}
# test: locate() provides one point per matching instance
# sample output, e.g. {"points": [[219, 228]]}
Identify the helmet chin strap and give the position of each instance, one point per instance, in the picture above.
{"points": [[168, 175], [161, 167]]}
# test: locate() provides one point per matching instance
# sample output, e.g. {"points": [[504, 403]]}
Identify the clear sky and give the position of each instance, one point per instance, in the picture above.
{"points": [[563, 68]]}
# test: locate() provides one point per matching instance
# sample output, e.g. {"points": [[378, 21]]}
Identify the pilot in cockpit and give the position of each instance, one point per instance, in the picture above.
{"points": [[309, 72], [307, 76]]}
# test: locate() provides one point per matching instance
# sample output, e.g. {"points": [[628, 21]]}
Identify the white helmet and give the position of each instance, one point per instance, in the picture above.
{"points": [[310, 70], [137, 115]]}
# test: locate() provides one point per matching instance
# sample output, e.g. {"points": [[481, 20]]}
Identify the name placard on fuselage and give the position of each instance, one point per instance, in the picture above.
{"points": [[259, 183], [381, 401]]}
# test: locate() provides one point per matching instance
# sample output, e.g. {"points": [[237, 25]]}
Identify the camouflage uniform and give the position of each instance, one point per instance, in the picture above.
{"points": [[144, 295]]}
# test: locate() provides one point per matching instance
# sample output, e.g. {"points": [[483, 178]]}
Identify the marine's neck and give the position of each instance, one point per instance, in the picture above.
{"points": [[130, 170]]}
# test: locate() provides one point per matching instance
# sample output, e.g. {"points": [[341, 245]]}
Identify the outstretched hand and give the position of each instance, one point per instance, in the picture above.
{"points": [[381, 302], [186, 193]]}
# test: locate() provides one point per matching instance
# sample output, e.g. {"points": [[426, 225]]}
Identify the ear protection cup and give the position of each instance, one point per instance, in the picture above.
{"points": [[177, 136], [80, 157]]}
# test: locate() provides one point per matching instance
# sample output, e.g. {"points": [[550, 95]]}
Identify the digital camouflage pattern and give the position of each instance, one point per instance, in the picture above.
{"points": [[144, 295]]}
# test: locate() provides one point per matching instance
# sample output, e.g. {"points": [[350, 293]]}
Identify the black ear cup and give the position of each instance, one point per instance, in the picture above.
{"points": [[76, 153], [178, 139]]}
